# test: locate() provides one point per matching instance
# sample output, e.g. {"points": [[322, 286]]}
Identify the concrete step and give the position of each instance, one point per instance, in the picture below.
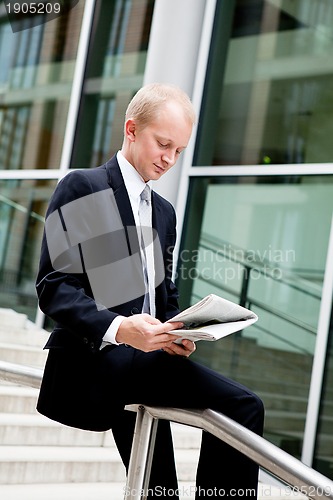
{"points": [[17, 399], [23, 337], [37, 430], [15, 328], [186, 437], [46, 464], [60, 464], [23, 354], [37, 449], [11, 318]]}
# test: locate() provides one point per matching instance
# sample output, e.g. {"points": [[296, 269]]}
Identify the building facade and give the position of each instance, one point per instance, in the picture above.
{"points": [[253, 191]]}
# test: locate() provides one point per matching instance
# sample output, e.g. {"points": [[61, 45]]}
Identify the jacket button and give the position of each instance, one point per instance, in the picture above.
{"points": [[135, 310], [92, 345], [85, 340]]}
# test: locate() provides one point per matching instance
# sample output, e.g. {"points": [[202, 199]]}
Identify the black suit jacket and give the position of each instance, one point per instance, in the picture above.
{"points": [[73, 389]]}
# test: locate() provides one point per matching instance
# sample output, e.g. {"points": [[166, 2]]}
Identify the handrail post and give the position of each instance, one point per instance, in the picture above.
{"points": [[141, 454]]}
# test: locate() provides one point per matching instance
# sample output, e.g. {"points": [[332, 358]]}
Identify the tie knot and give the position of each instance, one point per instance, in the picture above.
{"points": [[145, 195]]}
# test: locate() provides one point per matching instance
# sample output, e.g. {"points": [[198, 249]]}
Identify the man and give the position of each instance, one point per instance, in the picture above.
{"points": [[112, 344]]}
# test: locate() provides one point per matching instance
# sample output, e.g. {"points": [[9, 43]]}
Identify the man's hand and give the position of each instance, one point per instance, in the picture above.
{"points": [[186, 348], [146, 333]]}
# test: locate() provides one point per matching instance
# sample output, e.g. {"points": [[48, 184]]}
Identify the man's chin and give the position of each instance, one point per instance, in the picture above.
{"points": [[157, 174]]}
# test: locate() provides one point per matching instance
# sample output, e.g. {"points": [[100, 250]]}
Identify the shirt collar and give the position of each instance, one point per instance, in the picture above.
{"points": [[133, 181]]}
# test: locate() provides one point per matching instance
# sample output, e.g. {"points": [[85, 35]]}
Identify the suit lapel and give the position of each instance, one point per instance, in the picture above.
{"points": [[116, 182], [158, 220]]}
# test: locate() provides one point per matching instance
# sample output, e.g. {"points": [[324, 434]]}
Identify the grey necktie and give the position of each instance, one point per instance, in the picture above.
{"points": [[145, 216]]}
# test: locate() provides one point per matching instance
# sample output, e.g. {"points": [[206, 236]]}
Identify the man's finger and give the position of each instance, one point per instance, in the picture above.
{"points": [[175, 325]]}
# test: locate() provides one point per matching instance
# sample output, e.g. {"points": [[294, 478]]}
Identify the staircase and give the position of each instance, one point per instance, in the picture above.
{"points": [[43, 460]]}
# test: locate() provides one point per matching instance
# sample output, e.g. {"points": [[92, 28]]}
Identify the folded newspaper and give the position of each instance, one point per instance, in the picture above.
{"points": [[212, 318]]}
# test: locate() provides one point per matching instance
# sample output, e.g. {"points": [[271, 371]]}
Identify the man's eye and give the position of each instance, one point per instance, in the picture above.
{"points": [[162, 145]]}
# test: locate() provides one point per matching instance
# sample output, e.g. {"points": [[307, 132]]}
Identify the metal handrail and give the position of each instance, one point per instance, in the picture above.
{"points": [[271, 458]]}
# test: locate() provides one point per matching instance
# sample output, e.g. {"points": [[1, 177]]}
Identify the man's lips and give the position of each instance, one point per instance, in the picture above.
{"points": [[159, 168]]}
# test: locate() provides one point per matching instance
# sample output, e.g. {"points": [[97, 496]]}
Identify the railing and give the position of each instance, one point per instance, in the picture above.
{"points": [[271, 458]]}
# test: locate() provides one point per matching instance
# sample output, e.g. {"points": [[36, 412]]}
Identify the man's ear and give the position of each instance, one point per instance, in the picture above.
{"points": [[130, 129]]}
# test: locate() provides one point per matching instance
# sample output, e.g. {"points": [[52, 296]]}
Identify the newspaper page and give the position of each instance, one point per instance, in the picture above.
{"points": [[212, 318]]}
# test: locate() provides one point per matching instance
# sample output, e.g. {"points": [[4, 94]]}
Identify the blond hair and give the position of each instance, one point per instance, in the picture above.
{"points": [[146, 103]]}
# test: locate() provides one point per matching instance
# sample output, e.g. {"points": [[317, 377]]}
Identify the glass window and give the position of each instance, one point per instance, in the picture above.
{"points": [[269, 96], [114, 73], [36, 73], [262, 242], [22, 210]]}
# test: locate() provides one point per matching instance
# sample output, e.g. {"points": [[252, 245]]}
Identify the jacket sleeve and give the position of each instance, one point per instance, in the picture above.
{"points": [[64, 293]]}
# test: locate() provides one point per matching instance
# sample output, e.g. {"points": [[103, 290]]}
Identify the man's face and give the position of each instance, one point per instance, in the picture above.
{"points": [[155, 148]]}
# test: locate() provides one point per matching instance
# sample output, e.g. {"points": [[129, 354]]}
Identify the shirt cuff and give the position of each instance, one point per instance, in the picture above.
{"points": [[111, 332]]}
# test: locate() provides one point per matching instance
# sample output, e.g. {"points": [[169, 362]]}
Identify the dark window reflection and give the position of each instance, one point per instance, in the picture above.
{"points": [[114, 73]]}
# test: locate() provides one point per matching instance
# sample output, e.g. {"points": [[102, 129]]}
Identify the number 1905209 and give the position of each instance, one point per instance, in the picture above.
{"points": [[33, 8]]}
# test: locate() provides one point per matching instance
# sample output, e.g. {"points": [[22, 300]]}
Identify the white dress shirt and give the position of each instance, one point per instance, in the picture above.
{"points": [[134, 185]]}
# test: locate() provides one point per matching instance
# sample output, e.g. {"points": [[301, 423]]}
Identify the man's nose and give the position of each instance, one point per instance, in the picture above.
{"points": [[170, 157]]}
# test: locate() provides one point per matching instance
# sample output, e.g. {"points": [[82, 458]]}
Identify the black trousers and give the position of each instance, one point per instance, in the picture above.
{"points": [[163, 380]]}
